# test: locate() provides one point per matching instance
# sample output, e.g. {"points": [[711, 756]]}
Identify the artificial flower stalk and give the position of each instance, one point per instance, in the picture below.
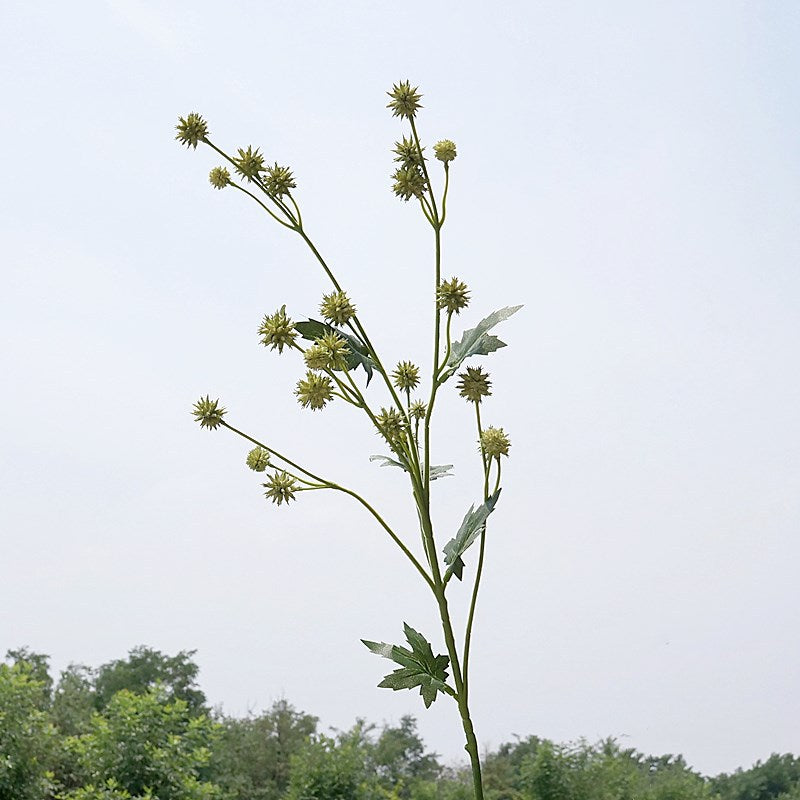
{"points": [[333, 349]]}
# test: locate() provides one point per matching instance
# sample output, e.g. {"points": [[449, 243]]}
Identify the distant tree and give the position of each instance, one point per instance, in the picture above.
{"points": [[546, 776], [502, 771], [252, 758], [399, 757], [27, 738], [779, 774], [146, 744], [143, 669], [74, 700], [38, 665]]}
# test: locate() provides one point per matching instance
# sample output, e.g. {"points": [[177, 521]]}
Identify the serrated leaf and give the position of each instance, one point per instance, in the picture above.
{"points": [[439, 471], [477, 341], [471, 526], [418, 666], [313, 329]]}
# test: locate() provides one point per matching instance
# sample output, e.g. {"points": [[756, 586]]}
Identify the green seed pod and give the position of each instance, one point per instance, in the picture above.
{"points": [[280, 487], [219, 177], [406, 376], [408, 182], [445, 150], [208, 413], [404, 100], [392, 426], [249, 163], [277, 330], [191, 130], [336, 349], [278, 180], [316, 357], [337, 308], [418, 410], [407, 153], [474, 384], [452, 295], [258, 459], [494, 442], [314, 391]]}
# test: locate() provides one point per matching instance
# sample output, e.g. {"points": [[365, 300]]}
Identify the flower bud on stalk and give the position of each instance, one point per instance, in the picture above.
{"points": [[452, 295], [280, 487], [277, 330], [494, 442], [258, 459], [474, 384], [208, 413]]}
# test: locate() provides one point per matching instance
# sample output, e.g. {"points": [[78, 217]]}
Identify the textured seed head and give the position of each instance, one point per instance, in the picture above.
{"points": [[277, 330], [219, 177], [314, 391], [445, 150], [208, 413], [278, 180], [408, 182], [249, 163], [391, 424], [335, 348], [280, 487], [474, 384], [316, 357], [337, 308], [452, 295], [258, 459], [494, 442], [404, 100], [407, 153], [418, 410], [406, 376], [191, 130]]}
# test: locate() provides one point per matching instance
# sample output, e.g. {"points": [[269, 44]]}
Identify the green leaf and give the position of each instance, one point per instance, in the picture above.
{"points": [[477, 341], [440, 471], [418, 666], [471, 526], [359, 356]]}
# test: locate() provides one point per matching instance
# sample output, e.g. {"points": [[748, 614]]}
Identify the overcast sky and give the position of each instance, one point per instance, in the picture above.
{"points": [[628, 170]]}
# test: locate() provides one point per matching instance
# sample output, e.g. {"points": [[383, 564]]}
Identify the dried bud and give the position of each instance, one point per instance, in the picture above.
{"points": [[277, 331], [335, 347], [405, 100], [452, 295], [391, 425], [337, 308], [258, 459], [474, 384], [191, 130], [219, 177], [280, 487], [494, 442], [315, 391], [208, 413], [445, 150], [249, 163], [406, 376], [408, 182], [278, 180], [418, 410], [407, 153]]}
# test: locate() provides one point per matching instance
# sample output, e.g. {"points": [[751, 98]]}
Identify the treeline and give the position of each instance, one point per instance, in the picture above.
{"points": [[140, 728]]}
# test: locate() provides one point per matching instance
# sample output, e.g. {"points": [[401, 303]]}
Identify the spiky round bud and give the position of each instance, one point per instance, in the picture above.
{"points": [[316, 357], [408, 182], [407, 153], [277, 330], [280, 487], [391, 425], [445, 150], [314, 391], [494, 442], [404, 100], [278, 180], [191, 130], [406, 376], [208, 413], [336, 349], [474, 384], [337, 308], [219, 177], [250, 163], [418, 410], [452, 295], [258, 459]]}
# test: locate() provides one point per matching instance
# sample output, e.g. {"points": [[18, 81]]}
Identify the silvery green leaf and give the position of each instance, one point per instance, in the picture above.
{"points": [[439, 471], [477, 341], [471, 526]]}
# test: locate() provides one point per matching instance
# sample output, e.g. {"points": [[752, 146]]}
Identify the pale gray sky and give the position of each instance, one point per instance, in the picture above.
{"points": [[628, 170]]}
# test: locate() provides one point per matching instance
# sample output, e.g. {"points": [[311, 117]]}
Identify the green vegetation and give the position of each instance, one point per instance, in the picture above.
{"points": [[140, 729]]}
